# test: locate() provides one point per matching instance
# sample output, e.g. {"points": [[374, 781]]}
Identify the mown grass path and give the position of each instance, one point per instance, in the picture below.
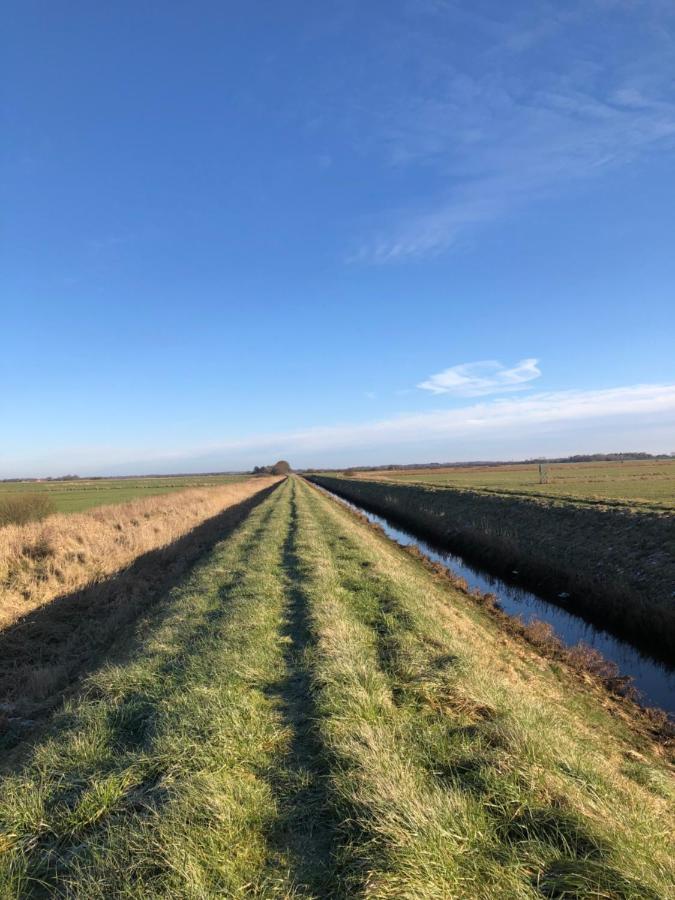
{"points": [[311, 714]]}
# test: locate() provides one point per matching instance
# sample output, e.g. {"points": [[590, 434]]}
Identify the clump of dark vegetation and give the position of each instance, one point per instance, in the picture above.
{"points": [[282, 467], [17, 509]]}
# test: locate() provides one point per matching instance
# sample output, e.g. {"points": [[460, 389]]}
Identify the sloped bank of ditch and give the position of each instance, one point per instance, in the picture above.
{"points": [[615, 566]]}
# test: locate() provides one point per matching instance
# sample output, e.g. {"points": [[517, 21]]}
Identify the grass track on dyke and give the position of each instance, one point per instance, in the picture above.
{"points": [[310, 714]]}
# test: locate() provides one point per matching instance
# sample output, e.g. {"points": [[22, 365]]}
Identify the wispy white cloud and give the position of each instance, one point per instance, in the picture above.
{"points": [[480, 378]]}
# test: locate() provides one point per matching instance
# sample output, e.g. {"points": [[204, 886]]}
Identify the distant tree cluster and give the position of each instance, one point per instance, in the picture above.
{"points": [[279, 468], [608, 457]]}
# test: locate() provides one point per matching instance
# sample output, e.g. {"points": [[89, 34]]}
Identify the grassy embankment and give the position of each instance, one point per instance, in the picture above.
{"points": [[647, 484], [68, 582], [84, 493], [44, 559], [616, 566], [310, 713]]}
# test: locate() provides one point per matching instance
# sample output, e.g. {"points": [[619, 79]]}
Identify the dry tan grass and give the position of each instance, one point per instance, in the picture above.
{"points": [[40, 561]]}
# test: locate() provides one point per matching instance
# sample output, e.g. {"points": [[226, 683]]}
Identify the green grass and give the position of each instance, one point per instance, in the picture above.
{"points": [[311, 714], [635, 483], [75, 496]]}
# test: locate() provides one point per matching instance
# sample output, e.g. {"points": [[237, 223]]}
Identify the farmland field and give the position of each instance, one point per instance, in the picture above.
{"points": [[81, 494], [310, 713], [647, 483]]}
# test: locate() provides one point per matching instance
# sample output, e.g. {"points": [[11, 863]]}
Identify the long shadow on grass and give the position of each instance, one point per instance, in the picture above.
{"points": [[131, 721], [307, 831], [45, 654]]}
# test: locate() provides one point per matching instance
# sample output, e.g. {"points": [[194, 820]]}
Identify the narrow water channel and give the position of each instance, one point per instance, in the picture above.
{"points": [[654, 681]]}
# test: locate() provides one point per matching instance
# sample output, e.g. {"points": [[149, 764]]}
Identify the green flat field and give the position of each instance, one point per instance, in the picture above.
{"points": [[640, 483], [75, 496], [310, 713]]}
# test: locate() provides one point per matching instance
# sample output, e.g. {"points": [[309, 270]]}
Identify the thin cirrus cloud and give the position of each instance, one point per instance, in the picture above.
{"points": [[477, 379], [488, 140]]}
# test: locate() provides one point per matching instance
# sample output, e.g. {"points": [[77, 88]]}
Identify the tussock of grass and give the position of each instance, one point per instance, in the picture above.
{"points": [[310, 714], [17, 509]]}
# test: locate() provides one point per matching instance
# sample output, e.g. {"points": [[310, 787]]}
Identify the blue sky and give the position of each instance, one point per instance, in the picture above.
{"points": [[338, 232]]}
